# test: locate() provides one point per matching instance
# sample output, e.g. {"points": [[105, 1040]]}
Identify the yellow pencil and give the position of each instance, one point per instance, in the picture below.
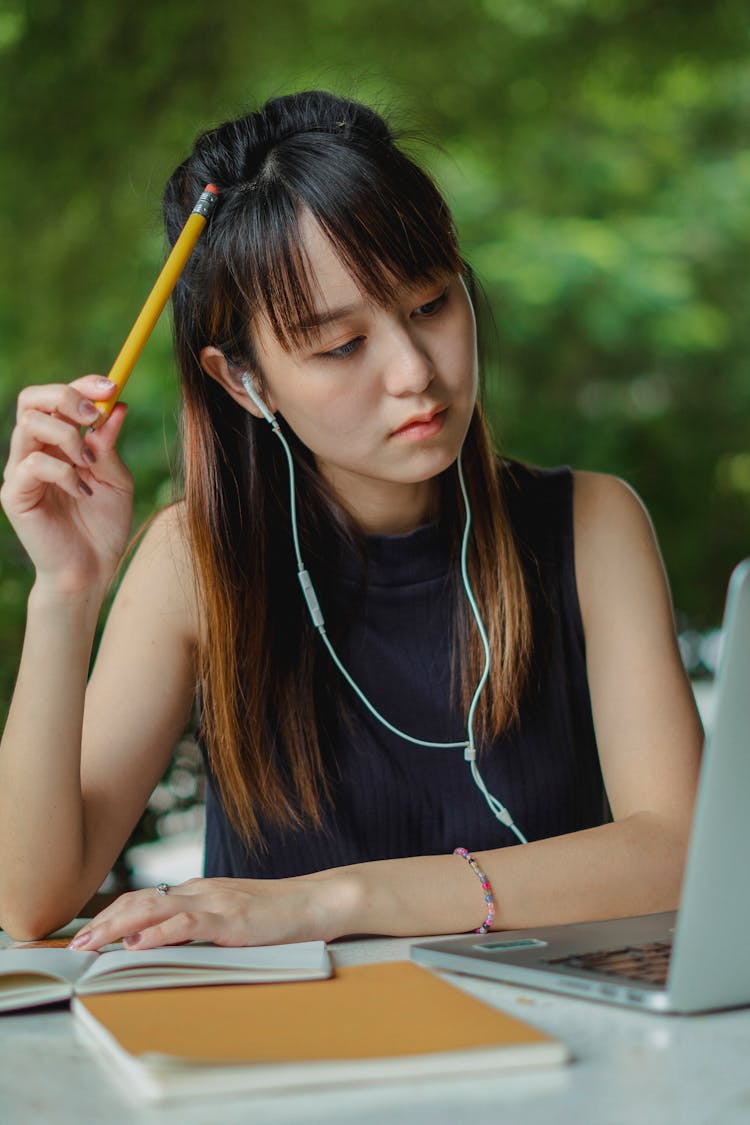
{"points": [[157, 298]]}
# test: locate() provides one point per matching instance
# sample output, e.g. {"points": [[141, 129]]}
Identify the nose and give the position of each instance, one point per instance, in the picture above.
{"points": [[408, 365]]}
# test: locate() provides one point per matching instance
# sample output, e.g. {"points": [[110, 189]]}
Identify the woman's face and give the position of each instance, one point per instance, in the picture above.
{"points": [[382, 397]]}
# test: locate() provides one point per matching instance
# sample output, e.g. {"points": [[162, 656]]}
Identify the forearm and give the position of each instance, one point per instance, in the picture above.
{"points": [[42, 844], [631, 866]]}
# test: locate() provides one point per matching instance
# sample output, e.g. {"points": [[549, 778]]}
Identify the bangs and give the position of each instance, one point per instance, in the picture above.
{"points": [[385, 219]]}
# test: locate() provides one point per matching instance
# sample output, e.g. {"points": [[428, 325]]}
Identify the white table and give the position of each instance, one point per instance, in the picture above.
{"points": [[629, 1068]]}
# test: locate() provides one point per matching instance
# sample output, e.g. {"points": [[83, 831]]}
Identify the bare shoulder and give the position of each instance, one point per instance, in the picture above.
{"points": [[606, 507], [616, 551], [165, 537]]}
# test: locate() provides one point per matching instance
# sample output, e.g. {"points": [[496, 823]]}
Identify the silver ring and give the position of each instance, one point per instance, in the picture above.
{"points": [[162, 889]]}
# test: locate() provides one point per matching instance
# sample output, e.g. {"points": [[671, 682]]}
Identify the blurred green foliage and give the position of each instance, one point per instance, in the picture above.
{"points": [[594, 152]]}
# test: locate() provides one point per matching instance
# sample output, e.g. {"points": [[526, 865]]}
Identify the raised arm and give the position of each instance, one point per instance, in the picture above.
{"points": [[76, 768], [649, 739]]}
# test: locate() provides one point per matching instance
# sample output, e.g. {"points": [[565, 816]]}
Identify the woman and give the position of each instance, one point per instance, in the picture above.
{"points": [[326, 341]]}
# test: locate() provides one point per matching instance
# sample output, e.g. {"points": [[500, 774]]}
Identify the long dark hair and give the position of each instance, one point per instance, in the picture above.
{"points": [[264, 681]]}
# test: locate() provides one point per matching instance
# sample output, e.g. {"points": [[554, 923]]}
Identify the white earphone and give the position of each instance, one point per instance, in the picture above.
{"points": [[255, 398], [498, 808]]}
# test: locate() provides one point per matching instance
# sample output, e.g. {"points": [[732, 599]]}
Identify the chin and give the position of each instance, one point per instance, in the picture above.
{"points": [[430, 464]]}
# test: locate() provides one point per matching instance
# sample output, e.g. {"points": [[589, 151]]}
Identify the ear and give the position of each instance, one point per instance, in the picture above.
{"points": [[228, 376]]}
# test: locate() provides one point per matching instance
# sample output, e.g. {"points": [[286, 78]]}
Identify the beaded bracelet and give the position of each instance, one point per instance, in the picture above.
{"points": [[489, 897]]}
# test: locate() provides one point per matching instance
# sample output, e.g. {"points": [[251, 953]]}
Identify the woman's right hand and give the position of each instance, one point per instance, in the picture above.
{"points": [[67, 494]]}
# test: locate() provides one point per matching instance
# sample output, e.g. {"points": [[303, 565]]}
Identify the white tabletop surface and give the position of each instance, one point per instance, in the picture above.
{"points": [[628, 1067]]}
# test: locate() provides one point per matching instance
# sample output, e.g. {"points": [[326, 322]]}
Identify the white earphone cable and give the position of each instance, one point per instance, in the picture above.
{"points": [[498, 809]]}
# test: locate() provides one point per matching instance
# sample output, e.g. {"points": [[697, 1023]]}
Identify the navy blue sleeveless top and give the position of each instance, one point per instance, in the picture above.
{"points": [[391, 798]]}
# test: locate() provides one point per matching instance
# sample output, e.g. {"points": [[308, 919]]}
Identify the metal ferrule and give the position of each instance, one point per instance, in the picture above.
{"points": [[206, 203]]}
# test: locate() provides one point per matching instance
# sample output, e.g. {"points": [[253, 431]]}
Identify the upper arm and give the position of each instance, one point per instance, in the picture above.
{"points": [[647, 727], [141, 689]]}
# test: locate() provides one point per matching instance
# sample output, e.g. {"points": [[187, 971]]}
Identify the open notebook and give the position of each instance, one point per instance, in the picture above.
{"points": [[690, 961], [30, 977]]}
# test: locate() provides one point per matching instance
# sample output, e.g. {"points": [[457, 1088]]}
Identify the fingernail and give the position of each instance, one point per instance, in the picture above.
{"points": [[81, 939], [87, 409], [105, 384], [88, 455], [84, 488], [131, 939]]}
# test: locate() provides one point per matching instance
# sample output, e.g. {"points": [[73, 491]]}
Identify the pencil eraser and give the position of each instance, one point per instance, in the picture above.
{"points": [[211, 187]]}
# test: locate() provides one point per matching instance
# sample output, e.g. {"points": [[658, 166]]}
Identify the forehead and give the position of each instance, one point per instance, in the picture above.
{"points": [[331, 283]]}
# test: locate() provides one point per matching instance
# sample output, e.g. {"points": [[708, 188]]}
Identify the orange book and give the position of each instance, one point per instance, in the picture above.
{"points": [[367, 1023]]}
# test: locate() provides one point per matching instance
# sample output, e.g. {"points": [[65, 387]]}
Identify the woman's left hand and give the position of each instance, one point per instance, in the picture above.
{"points": [[223, 911]]}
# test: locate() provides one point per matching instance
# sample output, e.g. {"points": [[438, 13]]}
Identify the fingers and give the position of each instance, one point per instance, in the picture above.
{"points": [[104, 438], [229, 912], [40, 469], [130, 913], [35, 430], [49, 426], [197, 910], [102, 442], [186, 925], [73, 401], [52, 416]]}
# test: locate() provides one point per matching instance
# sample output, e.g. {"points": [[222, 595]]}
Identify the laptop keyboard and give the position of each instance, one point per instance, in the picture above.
{"points": [[649, 962]]}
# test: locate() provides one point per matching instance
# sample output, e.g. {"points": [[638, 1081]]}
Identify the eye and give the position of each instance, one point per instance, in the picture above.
{"points": [[343, 350], [432, 307]]}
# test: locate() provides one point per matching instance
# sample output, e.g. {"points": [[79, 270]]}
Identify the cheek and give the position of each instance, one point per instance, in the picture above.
{"points": [[313, 403], [460, 355], [327, 421]]}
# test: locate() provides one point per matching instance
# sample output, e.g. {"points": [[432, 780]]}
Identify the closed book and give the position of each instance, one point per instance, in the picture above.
{"points": [[367, 1023]]}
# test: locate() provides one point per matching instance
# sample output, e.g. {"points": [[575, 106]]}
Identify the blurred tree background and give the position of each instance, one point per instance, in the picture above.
{"points": [[595, 155]]}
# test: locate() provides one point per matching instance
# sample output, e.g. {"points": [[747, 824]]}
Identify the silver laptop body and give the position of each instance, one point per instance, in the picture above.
{"points": [[709, 960]]}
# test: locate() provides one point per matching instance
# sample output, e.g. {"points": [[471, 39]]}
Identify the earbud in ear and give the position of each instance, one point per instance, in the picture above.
{"points": [[255, 398]]}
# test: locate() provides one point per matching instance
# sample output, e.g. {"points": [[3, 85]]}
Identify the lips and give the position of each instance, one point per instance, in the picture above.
{"points": [[420, 419]]}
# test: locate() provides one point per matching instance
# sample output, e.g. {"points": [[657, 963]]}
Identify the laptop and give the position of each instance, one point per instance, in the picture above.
{"points": [[692, 960]]}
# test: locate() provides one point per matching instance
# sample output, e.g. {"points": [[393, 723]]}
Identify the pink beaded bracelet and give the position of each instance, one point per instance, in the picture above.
{"points": [[489, 898]]}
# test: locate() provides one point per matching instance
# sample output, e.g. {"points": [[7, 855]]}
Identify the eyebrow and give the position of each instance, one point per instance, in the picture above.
{"points": [[319, 320]]}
